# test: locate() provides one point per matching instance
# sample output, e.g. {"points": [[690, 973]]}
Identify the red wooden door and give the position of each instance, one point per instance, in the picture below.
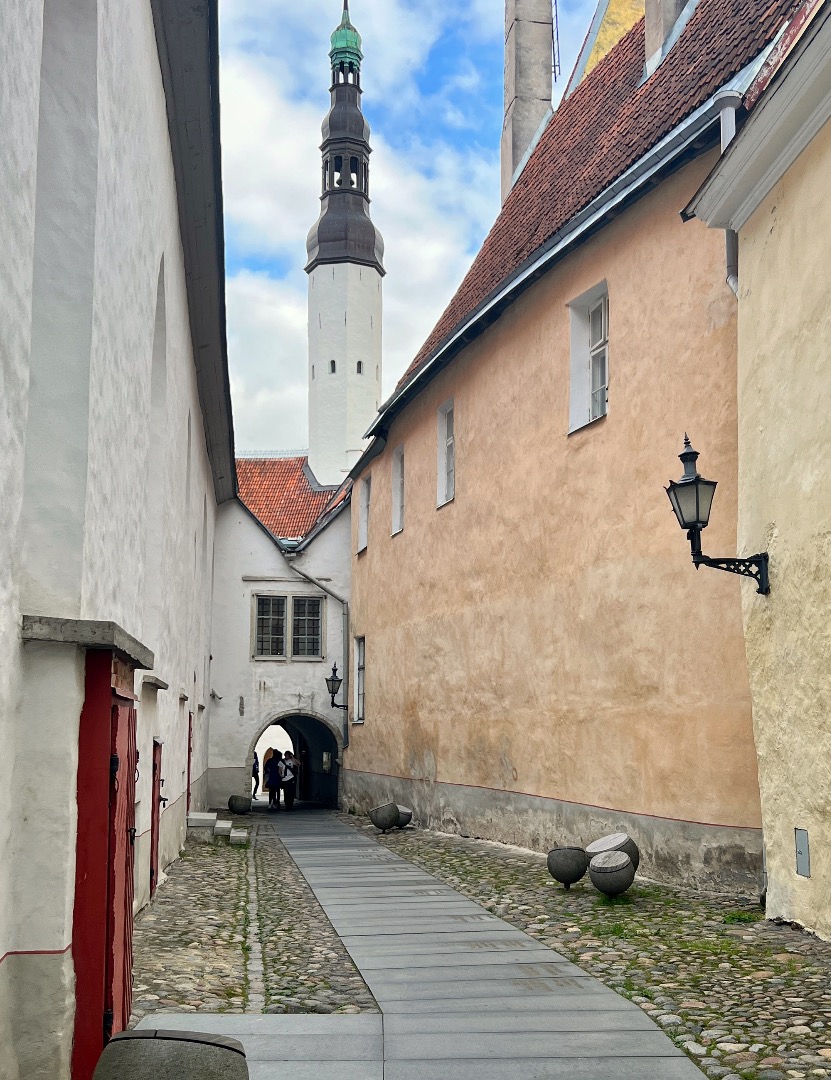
{"points": [[155, 816], [124, 758], [190, 753]]}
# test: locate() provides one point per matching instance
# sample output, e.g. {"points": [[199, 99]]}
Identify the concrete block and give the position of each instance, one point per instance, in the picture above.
{"points": [[223, 828], [238, 837], [171, 1055], [201, 821]]}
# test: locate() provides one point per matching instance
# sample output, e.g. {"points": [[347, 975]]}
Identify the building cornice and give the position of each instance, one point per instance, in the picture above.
{"points": [[187, 38]]}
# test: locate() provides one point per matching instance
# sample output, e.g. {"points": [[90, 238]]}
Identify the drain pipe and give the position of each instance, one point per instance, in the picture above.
{"points": [[290, 556], [729, 101]]}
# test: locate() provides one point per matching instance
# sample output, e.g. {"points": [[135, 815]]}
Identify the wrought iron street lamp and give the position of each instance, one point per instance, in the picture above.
{"points": [[333, 685], [692, 499]]}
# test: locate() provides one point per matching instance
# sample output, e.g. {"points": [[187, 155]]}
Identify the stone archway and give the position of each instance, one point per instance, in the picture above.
{"points": [[318, 743]]}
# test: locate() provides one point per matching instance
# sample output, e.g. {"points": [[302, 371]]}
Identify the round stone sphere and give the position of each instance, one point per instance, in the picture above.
{"points": [[567, 864], [385, 816], [618, 841], [611, 872], [405, 816], [239, 804]]}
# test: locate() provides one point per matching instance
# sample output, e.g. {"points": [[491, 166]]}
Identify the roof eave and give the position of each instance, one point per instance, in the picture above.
{"points": [[793, 108], [187, 39]]}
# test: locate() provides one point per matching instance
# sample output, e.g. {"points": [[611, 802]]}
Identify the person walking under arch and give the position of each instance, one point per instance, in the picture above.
{"points": [[255, 772], [273, 778], [290, 768]]}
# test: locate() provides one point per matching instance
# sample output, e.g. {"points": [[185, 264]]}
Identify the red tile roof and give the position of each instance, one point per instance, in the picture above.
{"points": [[600, 130], [279, 494]]}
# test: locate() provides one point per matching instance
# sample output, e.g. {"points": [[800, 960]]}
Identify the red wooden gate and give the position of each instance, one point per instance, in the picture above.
{"points": [[190, 753], [102, 930], [155, 816], [124, 762]]}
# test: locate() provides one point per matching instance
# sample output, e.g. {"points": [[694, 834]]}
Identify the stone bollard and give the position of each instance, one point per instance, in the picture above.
{"points": [[567, 865], [384, 817], [171, 1055], [612, 872], [619, 841], [239, 804]]}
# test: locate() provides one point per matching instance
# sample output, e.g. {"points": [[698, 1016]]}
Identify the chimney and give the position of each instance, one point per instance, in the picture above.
{"points": [[661, 17], [529, 58]]}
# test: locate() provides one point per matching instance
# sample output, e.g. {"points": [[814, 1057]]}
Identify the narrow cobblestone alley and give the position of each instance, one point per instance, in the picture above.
{"points": [[236, 930]]}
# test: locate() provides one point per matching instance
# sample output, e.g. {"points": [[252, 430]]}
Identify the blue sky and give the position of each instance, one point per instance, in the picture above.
{"points": [[433, 95]]}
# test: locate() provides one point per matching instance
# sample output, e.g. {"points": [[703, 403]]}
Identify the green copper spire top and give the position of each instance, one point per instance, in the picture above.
{"points": [[346, 42]]}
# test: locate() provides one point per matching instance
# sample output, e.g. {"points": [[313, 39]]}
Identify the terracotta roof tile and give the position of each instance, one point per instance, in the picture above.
{"points": [[279, 494], [600, 130]]}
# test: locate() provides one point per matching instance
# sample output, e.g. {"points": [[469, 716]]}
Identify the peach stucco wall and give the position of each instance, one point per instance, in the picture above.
{"points": [[546, 632], [785, 508]]}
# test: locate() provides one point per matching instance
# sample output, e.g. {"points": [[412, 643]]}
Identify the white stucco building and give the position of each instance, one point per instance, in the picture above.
{"points": [[116, 449]]}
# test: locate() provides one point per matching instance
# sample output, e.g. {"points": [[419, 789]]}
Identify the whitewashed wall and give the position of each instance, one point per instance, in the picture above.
{"points": [[108, 529], [256, 692]]}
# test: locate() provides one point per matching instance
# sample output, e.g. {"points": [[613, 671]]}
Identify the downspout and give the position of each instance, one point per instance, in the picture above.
{"points": [[729, 101], [290, 556]]}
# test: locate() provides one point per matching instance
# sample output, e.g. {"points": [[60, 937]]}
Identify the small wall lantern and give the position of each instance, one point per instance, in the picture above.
{"points": [[692, 499], [333, 685]]}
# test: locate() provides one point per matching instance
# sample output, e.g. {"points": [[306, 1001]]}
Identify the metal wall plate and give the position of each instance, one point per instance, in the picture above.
{"points": [[803, 853]]}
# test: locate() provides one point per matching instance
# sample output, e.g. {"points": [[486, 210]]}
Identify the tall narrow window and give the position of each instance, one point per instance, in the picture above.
{"points": [[271, 626], [306, 626], [363, 512], [360, 680], [446, 480], [599, 350], [398, 490], [589, 369], [333, 367], [360, 367]]}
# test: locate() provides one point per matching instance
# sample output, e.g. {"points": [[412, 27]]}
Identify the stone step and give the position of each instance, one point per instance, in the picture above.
{"points": [[238, 837], [201, 821], [223, 828]]}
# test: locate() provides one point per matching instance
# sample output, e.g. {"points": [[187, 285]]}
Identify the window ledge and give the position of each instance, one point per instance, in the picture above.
{"points": [[446, 502], [358, 723], [397, 532], [588, 423], [270, 659], [307, 659]]}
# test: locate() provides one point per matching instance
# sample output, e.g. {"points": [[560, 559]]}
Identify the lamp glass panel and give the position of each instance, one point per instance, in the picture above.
{"points": [[333, 685], [706, 491], [686, 500]]}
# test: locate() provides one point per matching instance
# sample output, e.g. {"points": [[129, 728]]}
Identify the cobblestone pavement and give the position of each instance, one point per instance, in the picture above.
{"points": [[188, 942], [744, 997], [197, 948]]}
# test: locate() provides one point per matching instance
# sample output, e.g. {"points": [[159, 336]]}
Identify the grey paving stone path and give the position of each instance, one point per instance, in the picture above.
{"points": [[462, 993]]}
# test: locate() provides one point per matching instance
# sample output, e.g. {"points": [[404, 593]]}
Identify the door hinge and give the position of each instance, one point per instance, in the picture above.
{"points": [[108, 1026], [114, 763], [132, 834]]}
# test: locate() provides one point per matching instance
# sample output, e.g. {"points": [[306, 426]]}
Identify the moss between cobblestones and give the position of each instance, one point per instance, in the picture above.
{"points": [[744, 997], [305, 966], [188, 941]]}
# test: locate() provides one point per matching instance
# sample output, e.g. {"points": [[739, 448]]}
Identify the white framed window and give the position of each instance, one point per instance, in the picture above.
{"points": [[446, 469], [363, 512], [270, 626], [360, 680], [398, 490], [307, 626], [589, 373]]}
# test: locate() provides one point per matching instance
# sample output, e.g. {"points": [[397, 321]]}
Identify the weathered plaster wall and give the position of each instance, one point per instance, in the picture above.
{"points": [[20, 43], [88, 267], [256, 692], [545, 633], [345, 326], [784, 507]]}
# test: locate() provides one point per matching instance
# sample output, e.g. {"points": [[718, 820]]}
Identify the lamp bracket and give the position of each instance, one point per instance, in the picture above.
{"points": [[755, 566], [336, 706]]}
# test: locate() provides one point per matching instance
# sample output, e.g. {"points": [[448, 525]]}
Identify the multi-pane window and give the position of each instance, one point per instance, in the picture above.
{"points": [[363, 512], [599, 353], [360, 680], [306, 628], [446, 487], [271, 626], [398, 490]]}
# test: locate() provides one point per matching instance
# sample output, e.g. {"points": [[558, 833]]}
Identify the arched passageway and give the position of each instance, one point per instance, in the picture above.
{"points": [[318, 749]]}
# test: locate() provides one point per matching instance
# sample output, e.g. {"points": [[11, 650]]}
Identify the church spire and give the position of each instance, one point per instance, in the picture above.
{"points": [[344, 232]]}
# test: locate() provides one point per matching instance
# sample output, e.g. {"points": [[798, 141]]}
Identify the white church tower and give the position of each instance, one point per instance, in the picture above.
{"points": [[345, 271]]}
